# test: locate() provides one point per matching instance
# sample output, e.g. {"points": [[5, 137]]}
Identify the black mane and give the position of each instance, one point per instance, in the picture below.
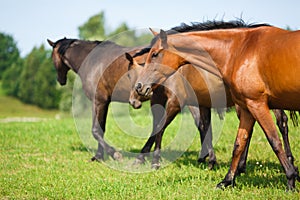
{"points": [[65, 43], [212, 25], [202, 26]]}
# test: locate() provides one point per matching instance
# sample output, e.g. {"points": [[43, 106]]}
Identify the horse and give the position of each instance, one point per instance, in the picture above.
{"points": [[177, 94], [167, 97], [254, 61], [100, 66]]}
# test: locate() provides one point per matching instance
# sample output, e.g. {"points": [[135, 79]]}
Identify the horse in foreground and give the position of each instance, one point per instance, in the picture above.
{"points": [[259, 64]]}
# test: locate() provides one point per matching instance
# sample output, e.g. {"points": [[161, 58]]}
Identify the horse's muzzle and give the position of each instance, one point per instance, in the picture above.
{"points": [[136, 104], [62, 82], [143, 90]]}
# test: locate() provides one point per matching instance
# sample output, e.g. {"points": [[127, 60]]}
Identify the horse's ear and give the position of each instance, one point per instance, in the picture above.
{"points": [[164, 38], [129, 58], [132, 62], [153, 32], [52, 44]]}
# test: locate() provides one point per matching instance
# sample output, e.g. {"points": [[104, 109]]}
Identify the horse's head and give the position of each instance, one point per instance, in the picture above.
{"points": [[58, 59], [134, 69], [162, 61]]}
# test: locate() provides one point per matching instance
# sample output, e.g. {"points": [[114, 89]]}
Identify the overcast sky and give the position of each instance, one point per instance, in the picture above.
{"points": [[31, 22]]}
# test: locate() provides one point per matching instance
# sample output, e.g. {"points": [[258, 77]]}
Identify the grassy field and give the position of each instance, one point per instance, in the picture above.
{"points": [[47, 159]]}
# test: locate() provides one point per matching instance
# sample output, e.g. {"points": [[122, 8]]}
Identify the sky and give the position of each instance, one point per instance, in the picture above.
{"points": [[31, 22]]}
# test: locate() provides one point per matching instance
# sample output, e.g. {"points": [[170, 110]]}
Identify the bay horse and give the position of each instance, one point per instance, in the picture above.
{"points": [[257, 65], [167, 97], [176, 93], [100, 66]]}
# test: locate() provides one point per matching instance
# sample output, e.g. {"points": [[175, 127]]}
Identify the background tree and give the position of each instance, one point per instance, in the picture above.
{"points": [[9, 53], [96, 29], [37, 84], [10, 78], [93, 29], [46, 94]]}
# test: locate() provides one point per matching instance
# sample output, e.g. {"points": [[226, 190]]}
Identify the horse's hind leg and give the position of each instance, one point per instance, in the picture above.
{"points": [[262, 114], [98, 129], [243, 136], [202, 118], [282, 123]]}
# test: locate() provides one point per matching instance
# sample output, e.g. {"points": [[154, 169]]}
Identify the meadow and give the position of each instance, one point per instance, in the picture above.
{"points": [[45, 157]]}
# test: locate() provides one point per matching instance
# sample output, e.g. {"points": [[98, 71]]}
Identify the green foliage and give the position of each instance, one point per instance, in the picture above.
{"points": [[9, 53], [37, 84], [65, 103], [46, 95], [95, 29], [10, 78]]}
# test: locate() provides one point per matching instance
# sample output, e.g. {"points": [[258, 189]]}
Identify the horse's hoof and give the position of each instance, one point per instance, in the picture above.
{"points": [[155, 166], [297, 176], [211, 165], [96, 158], [118, 156], [201, 160], [240, 170], [139, 161], [224, 184]]}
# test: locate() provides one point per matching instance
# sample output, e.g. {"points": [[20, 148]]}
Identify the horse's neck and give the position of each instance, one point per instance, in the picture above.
{"points": [[77, 54], [216, 48]]}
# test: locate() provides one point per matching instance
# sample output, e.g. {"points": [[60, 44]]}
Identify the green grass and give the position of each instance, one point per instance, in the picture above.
{"points": [[47, 160]]}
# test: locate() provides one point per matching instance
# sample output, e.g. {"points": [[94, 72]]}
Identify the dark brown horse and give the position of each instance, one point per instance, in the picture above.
{"points": [[100, 66], [257, 65]]}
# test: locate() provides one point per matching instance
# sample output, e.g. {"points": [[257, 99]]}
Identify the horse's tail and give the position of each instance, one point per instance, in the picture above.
{"points": [[294, 117]]}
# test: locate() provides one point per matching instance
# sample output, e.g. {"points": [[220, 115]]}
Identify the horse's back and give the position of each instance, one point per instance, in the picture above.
{"points": [[102, 70]]}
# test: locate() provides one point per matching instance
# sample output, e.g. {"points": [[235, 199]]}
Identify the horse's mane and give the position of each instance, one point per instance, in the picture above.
{"points": [[203, 26], [65, 43], [212, 25]]}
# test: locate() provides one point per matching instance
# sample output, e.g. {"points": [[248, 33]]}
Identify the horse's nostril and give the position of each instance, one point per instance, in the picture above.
{"points": [[138, 86]]}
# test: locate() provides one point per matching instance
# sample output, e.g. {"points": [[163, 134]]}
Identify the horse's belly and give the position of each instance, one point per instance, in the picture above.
{"points": [[288, 101]]}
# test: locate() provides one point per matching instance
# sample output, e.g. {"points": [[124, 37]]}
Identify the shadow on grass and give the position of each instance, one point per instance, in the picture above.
{"points": [[260, 174]]}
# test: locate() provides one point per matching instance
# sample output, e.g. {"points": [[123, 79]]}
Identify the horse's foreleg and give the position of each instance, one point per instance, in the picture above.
{"points": [[243, 136], [172, 109], [98, 129], [202, 118], [156, 100], [262, 114], [243, 161]]}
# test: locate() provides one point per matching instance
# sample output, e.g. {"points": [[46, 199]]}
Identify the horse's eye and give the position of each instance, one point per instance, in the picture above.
{"points": [[154, 54]]}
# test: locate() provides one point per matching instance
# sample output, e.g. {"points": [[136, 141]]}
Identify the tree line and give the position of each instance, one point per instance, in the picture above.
{"points": [[32, 78]]}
